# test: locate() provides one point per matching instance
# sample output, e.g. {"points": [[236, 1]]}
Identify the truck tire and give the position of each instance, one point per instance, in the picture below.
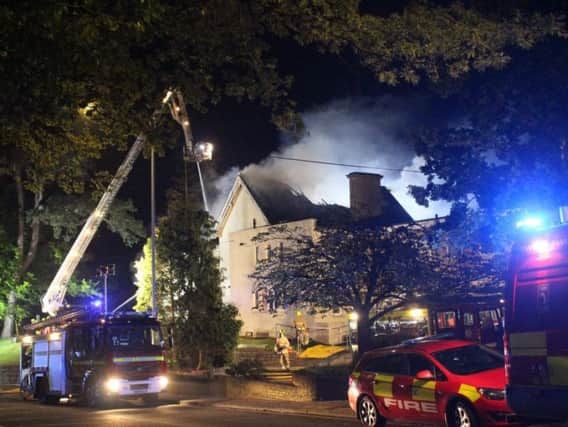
{"points": [[43, 393], [92, 398]]}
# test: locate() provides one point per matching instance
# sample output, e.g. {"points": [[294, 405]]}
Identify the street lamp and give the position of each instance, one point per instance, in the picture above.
{"points": [[353, 317]]}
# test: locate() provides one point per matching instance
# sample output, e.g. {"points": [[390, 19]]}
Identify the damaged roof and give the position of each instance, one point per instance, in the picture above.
{"points": [[281, 203]]}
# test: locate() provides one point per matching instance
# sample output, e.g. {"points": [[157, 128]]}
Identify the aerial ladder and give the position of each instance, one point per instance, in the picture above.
{"points": [[55, 294]]}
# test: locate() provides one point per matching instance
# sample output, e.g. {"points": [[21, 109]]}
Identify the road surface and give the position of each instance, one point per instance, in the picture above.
{"points": [[14, 412]]}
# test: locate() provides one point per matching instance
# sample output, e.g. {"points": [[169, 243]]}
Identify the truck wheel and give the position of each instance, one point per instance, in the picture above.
{"points": [[92, 398], [43, 393]]}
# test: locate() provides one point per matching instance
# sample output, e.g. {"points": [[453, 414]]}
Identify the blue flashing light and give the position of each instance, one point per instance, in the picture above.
{"points": [[97, 303], [530, 222], [542, 247]]}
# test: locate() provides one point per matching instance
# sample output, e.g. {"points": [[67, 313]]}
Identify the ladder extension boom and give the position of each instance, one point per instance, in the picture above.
{"points": [[55, 294]]}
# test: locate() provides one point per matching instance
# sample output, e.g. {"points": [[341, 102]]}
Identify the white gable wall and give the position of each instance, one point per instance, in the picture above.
{"points": [[239, 217], [238, 257]]}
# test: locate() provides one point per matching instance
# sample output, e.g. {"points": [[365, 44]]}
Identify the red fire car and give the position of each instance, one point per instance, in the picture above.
{"points": [[459, 383]]}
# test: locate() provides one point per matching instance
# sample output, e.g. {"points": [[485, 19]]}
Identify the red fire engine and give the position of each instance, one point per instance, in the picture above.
{"points": [[93, 358], [477, 319], [536, 325]]}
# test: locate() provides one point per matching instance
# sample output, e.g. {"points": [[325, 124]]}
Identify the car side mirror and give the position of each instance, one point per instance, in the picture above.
{"points": [[425, 374]]}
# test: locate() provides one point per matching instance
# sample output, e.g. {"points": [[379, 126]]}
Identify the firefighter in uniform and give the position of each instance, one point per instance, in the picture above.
{"points": [[282, 347]]}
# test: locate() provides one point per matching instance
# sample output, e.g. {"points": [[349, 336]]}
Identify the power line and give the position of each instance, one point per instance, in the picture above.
{"points": [[321, 162]]}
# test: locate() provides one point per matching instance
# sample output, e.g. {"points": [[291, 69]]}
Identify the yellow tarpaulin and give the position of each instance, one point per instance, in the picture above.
{"points": [[321, 351]]}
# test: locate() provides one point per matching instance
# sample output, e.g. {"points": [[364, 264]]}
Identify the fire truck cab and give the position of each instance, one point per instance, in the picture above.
{"points": [[93, 358]]}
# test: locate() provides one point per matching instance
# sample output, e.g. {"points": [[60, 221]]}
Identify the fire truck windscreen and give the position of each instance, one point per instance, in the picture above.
{"points": [[135, 337]]}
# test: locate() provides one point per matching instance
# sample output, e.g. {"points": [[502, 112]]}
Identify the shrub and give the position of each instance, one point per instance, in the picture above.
{"points": [[251, 368]]}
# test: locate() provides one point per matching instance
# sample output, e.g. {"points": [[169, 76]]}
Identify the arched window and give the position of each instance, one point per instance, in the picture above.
{"points": [[261, 300]]}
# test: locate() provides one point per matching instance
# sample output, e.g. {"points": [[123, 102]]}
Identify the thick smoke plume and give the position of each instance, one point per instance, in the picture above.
{"points": [[359, 132]]}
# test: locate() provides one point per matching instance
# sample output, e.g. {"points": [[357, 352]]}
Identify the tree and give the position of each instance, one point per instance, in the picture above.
{"points": [[420, 40], [504, 153], [371, 270], [142, 268], [189, 286], [11, 284]]}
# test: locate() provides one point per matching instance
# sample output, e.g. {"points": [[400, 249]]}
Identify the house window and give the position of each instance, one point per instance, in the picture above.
{"points": [[261, 300], [281, 251], [268, 252], [254, 223], [265, 301], [256, 254]]}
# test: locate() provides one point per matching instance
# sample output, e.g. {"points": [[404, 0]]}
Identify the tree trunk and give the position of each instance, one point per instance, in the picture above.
{"points": [[199, 359], [9, 318], [26, 261], [364, 332], [8, 326], [34, 240]]}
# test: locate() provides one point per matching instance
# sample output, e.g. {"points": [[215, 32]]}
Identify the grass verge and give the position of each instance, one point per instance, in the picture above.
{"points": [[9, 352]]}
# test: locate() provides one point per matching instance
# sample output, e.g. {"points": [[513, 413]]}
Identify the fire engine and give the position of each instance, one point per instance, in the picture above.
{"points": [[536, 324], [94, 357], [87, 354]]}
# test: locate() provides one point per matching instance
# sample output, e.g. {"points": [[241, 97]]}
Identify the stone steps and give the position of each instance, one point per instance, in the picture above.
{"points": [[269, 358], [283, 377]]}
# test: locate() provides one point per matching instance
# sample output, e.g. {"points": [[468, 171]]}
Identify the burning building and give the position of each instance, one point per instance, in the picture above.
{"points": [[257, 202]]}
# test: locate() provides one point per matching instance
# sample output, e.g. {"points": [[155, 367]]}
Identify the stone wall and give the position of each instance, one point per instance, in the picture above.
{"points": [[9, 375], [302, 390]]}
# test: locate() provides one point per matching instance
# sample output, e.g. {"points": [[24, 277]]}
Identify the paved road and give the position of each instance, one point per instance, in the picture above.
{"points": [[14, 412]]}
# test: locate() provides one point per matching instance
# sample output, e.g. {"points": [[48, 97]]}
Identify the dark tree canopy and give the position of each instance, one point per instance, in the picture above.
{"points": [[372, 270], [504, 155]]}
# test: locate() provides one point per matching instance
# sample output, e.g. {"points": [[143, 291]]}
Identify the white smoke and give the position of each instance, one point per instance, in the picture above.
{"points": [[357, 132]]}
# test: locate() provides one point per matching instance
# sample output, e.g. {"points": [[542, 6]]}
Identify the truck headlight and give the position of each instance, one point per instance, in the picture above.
{"points": [[163, 381], [113, 385], [492, 393]]}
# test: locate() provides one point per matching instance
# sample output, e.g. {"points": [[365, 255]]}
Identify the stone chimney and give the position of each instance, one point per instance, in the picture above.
{"points": [[365, 195]]}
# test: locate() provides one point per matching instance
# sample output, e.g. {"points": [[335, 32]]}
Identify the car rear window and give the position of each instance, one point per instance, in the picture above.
{"points": [[469, 359]]}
